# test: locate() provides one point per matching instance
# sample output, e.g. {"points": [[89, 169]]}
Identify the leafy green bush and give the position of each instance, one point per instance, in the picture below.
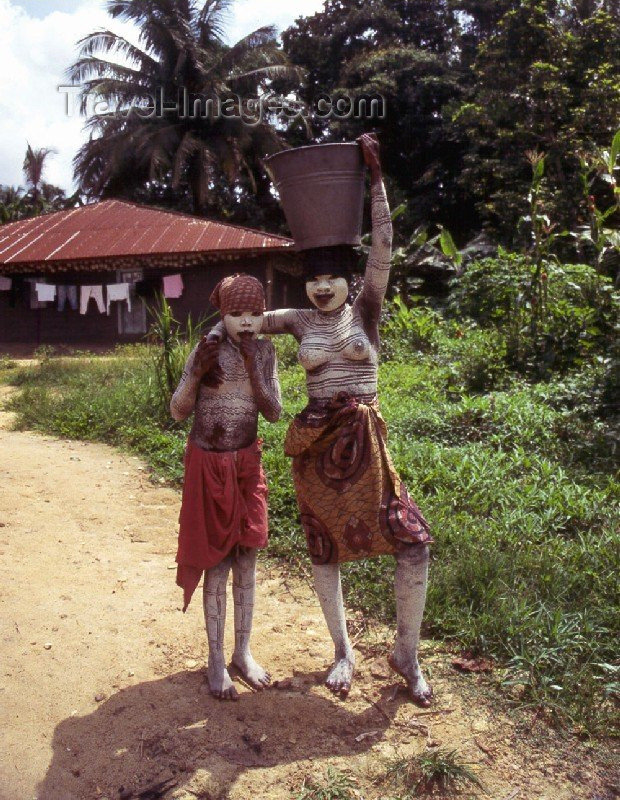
{"points": [[572, 316], [6, 363], [286, 350], [406, 329], [476, 357]]}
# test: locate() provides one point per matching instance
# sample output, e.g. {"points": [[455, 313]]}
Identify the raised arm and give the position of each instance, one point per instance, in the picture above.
{"points": [[377, 272], [202, 359], [261, 363]]}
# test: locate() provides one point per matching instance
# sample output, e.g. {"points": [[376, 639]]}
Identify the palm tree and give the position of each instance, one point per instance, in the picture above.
{"points": [[12, 204], [140, 142], [39, 195], [33, 166]]}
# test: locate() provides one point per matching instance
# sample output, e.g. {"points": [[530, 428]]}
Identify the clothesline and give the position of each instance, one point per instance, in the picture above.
{"points": [[43, 292]]}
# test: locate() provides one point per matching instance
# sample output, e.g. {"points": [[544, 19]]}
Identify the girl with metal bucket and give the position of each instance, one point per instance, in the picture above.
{"points": [[352, 502]]}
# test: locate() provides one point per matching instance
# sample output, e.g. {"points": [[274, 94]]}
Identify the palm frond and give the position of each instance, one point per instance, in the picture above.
{"points": [[34, 164], [224, 148], [212, 21], [269, 73], [267, 34], [120, 95], [124, 152], [189, 146], [106, 41], [85, 68], [258, 49], [125, 9]]}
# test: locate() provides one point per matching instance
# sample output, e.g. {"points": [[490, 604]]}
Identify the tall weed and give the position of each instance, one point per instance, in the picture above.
{"points": [[173, 346]]}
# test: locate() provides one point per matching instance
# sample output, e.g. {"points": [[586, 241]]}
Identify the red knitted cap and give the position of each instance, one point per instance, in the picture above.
{"points": [[237, 293]]}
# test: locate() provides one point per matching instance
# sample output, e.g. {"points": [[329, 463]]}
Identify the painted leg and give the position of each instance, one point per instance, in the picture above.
{"points": [[214, 604], [410, 587], [329, 589], [244, 584]]}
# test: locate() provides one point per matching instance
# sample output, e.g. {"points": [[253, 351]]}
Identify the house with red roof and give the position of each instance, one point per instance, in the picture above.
{"points": [[89, 275]]}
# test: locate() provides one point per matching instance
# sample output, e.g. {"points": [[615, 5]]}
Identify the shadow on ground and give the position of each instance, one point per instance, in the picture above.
{"points": [[172, 729]]}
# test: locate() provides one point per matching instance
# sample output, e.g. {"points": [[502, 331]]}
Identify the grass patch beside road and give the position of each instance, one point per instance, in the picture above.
{"points": [[516, 485]]}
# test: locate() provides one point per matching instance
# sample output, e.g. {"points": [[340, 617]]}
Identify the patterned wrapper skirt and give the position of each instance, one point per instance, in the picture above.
{"points": [[352, 501]]}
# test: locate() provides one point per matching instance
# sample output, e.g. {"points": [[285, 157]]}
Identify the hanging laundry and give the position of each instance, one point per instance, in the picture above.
{"points": [[5, 284], [46, 292], [173, 286], [67, 294], [32, 293], [117, 291], [88, 293]]}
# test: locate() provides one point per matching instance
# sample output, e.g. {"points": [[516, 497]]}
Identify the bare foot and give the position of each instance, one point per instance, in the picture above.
{"points": [[220, 684], [340, 676], [420, 691], [251, 671]]}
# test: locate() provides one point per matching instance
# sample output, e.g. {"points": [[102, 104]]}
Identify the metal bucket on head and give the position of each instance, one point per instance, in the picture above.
{"points": [[321, 190]]}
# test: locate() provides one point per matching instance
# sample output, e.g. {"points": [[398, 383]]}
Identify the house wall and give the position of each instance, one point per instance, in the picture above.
{"points": [[21, 324]]}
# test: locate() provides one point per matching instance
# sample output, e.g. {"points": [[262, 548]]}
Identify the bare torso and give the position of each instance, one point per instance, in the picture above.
{"points": [[226, 415], [336, 352]]}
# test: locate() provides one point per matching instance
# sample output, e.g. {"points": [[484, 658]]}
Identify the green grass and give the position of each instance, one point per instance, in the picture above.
{"points": [[419, 776], [517, 486], [335, 786]]}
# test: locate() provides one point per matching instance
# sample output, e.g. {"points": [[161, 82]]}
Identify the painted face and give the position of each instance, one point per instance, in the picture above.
{"points": [[240, 324], [327, 292]]}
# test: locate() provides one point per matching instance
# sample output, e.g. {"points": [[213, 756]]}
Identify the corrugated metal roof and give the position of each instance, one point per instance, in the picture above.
{"points": [[115, 228]]}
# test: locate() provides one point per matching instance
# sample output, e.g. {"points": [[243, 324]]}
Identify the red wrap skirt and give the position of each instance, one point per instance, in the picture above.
{"points": [[224, 504]]}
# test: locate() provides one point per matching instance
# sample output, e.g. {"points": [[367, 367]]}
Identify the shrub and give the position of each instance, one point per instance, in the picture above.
{"points": [[173, 348], [476, 358], [405, 329], [571, 315], [286, 350]]}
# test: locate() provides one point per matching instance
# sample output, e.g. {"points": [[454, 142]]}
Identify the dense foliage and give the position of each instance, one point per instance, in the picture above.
{"points": [[469, 87], [575, 314]]}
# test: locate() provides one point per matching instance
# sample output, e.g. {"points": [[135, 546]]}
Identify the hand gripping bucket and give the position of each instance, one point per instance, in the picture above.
{"points": [[321, 190]]}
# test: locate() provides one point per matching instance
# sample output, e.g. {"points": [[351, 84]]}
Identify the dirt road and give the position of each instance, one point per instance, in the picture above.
{"points": [[101, 688]]}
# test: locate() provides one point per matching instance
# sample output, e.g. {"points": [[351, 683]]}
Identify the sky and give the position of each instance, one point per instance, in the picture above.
{"points": [[37, 44]]}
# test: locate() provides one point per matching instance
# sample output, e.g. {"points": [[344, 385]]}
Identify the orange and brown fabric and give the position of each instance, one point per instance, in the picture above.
{"points": [[352, 501]]}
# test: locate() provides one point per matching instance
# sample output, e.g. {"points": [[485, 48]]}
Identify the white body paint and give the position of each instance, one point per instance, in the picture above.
{"points": [[339, 350], [226, 418], [244, 323], [327, 292]]}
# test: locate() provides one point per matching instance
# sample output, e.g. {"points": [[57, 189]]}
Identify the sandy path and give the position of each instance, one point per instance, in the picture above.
{"points": [[101, 688]]}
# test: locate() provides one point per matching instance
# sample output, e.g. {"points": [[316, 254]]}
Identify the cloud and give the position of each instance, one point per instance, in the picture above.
{"points": [[248, 15], [34, 54]]}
